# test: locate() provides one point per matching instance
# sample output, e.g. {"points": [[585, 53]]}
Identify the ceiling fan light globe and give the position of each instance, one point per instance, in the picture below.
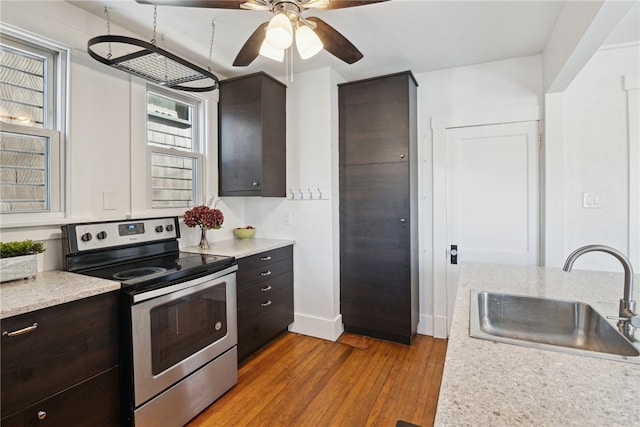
{"points": [[307, 42], [280, 32], [271, 52]]}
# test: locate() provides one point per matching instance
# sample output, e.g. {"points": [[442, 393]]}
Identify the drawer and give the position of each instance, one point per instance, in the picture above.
{"points": [[260, 291], [259, 324], [72, 342], [94, 402], [277, 261]]}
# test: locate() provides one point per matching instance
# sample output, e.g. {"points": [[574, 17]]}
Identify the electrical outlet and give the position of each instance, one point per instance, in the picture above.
{"points": [[286, 218]]}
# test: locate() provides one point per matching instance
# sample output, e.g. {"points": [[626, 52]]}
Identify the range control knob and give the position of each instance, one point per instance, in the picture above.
{"points": [[101, 235], [159, 229], [86, 237], [169, 227]]}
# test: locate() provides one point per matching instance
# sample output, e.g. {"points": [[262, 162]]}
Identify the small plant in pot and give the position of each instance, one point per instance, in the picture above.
{"points": [[18, 259]]}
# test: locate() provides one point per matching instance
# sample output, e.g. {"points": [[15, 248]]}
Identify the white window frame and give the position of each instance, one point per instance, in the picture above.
{"points": [[198, 153], [55, 129]]}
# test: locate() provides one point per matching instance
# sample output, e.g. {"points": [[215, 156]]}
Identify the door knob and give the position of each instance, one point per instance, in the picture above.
{"points": [[454, 254]]}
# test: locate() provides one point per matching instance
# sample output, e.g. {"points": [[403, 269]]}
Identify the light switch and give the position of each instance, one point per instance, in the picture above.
{"points": [[589, 200]]}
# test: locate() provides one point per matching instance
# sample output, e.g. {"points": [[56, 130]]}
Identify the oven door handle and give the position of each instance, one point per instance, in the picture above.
{"points": [[188, 283]]}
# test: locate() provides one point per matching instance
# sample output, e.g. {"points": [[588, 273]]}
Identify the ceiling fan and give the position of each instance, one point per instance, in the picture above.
{"points": [[272, 38]]}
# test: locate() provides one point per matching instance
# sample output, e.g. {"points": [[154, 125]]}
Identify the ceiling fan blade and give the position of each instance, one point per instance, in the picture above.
{"points": [[215, 4], [251, 48], [339, 4], [335, 43]]}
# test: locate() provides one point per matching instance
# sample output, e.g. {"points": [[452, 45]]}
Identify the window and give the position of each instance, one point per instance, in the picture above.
{"points": [[31, 113], [175, 148]]}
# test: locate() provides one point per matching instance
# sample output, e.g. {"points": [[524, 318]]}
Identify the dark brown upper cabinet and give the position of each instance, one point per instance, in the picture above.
{"points": [[375, 120], [252, 137]]}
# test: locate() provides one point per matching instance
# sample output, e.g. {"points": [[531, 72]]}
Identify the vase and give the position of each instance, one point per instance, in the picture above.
{"points": [[204, 242]]}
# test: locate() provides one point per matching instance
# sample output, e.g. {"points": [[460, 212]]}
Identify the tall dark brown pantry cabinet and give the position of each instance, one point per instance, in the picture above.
{"points": [[252, 136], [378, 207]]}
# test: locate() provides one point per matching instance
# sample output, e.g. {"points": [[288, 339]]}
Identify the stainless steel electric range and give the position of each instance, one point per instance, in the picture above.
{"points": [[177, 311]]}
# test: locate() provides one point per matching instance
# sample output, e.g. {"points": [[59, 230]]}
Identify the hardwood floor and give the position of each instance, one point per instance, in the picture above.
{"points": [[358, 381]]}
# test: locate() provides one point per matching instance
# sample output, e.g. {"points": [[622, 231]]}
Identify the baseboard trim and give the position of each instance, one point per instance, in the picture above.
{"points": [[326, 329]]}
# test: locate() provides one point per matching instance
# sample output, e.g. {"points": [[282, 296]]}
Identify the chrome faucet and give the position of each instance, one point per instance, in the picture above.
{"points": [[627, 318]]}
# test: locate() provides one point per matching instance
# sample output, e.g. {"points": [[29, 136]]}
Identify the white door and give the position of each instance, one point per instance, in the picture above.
{"points": [[492, 197]]}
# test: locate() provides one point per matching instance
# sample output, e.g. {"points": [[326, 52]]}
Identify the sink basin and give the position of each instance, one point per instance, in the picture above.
{"points": [[552, 324]]}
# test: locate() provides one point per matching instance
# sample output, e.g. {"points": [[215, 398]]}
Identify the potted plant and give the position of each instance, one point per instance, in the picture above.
{"points": [[18, 259]]}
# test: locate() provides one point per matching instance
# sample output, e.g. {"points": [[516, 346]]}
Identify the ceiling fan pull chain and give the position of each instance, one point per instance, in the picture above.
{"points": [[155, 24], [106, 12], [213, 31]]}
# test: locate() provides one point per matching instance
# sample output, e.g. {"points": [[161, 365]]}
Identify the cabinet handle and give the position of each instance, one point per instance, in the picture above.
{"points": [[255, 184], [402, 156], [20, 331], [266, 273], [267, 304], [266, 288], [265, 258], [42, 415], [402, 220]]}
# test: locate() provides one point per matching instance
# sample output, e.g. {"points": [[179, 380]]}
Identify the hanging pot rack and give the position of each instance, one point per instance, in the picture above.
{"points": [[153, 63]]}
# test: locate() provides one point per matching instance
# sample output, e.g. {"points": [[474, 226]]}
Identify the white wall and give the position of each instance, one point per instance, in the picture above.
{"points": [[591, 133], [312, 147]]}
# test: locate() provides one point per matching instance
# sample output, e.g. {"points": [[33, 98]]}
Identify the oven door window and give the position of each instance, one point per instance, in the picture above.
{"points": [[184, 326]]}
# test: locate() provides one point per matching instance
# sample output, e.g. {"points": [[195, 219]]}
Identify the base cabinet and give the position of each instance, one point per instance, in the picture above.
{"points": [[265, 298], [64, 370]]}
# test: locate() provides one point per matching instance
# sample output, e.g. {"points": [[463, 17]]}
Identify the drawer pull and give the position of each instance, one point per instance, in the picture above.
{"points": [[266, 288], [42, 415], [265, 258], [267, 304], [20, 331], [266, 273]]}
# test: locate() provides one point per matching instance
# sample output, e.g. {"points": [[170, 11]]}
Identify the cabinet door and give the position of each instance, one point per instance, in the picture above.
{"points": [[252, 137], [71, 342], [375, 253], [374, 120], [240, 137]]}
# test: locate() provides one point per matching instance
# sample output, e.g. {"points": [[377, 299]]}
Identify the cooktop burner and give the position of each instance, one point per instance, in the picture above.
{"points": [[138, 272]]}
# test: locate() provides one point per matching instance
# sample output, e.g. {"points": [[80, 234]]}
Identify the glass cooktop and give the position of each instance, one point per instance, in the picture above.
{"points": [[155, 271]]}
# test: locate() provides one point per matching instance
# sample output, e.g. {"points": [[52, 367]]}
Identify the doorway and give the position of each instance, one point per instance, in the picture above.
{"points": [[492, 197], [486, 197]]}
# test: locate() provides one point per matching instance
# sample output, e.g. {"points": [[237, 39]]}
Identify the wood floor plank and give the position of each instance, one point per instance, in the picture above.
{"points": [[357, 381]]}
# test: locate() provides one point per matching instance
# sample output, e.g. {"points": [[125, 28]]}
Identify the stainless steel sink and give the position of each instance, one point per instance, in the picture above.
{"points": [[552, 324]]}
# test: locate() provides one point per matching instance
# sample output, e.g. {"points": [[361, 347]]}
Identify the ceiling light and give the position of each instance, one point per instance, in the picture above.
{"points": [[271, 52], [307, 42], [280, 32]]}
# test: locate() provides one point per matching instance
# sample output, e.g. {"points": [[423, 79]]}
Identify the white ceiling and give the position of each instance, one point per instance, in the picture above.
{"points": [[394, 36]]}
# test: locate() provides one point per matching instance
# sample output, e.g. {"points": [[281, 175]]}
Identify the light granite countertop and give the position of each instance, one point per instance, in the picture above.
{"points": [[486, 383], [49, 288], [240, 248]]}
